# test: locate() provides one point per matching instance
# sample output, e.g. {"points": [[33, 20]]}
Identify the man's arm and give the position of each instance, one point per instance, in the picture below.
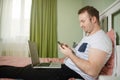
{"points": [[93, 65]]}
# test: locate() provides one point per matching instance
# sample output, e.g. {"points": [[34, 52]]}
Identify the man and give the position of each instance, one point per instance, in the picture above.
{"points": [[94, 49], [84, 62]]}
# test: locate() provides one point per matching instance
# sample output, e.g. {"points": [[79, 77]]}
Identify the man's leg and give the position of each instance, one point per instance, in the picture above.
{"points": [[28, 73], [67, 73], [64, 73], [10, 72]]}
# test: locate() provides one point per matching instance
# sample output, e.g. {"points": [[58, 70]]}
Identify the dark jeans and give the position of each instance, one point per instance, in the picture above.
{"points": [[28, 73]]}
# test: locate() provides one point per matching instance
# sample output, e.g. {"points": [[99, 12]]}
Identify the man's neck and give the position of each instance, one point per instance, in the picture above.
{"points": [[97, 28]]}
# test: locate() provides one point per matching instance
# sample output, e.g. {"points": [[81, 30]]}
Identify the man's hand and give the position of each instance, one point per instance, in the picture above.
{"points": [[66, 50]]}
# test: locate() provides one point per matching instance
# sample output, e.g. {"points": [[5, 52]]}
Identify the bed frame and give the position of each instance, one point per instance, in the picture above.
{"points": [[108, 12]]}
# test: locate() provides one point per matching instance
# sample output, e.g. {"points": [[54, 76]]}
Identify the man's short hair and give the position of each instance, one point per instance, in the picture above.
{"points": [[91, 11]]}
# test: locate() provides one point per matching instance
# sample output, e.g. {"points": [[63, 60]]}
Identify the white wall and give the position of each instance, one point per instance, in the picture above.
{"points": [[68, 24]]}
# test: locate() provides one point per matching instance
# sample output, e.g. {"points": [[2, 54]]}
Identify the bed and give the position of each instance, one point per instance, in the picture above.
{"points": [[23, 61], [108, 69]]}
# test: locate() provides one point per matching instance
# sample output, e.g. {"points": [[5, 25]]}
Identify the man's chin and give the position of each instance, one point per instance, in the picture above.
{"points": [[85, 31]]}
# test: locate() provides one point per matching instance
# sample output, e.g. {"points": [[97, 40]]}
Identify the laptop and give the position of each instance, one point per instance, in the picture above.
{"points": [[35, 58]]}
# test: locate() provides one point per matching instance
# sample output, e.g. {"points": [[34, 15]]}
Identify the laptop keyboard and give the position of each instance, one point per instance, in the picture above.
{"points": [[44, 64]]}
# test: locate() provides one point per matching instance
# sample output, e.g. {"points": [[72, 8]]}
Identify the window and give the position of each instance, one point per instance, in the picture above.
{"points": [[14, 27], [15, 19]]}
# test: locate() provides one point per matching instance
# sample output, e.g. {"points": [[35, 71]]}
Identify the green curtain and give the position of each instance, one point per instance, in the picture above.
{"points": [[43, 27]]}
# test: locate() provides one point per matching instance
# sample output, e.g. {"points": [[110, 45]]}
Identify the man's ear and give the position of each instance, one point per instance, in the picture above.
{"points": [[93, 19]]}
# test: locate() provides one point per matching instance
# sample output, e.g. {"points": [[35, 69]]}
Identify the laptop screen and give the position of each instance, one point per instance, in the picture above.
{"points": [[33, 53]]}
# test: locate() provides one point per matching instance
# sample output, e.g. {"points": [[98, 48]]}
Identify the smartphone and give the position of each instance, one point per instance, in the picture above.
{"points": [[60, 44]]}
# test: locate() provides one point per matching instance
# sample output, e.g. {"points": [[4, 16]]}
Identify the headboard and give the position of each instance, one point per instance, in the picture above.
{"points": [[109, 11]]}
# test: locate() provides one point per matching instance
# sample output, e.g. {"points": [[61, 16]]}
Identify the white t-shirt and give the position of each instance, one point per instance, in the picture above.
{"points": [[100, 41]]}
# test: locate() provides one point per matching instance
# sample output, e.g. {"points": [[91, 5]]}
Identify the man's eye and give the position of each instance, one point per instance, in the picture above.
{"points": [[83, 21]]}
